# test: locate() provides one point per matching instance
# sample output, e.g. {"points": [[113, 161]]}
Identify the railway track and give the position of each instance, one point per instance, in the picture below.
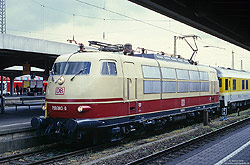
{"points": [[22, 157], [49, 155], [170, 153], [52, 154]]}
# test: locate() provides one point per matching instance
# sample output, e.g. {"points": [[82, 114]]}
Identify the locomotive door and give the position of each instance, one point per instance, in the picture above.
{"points": [[130, 86]]}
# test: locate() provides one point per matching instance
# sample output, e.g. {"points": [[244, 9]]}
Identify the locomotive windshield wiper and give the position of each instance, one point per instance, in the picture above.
{"points": [[52, 73], [66, 65], [78, 73]]}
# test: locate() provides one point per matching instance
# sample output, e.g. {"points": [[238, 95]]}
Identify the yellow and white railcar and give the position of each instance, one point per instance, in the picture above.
{"points": [[234, 87]]}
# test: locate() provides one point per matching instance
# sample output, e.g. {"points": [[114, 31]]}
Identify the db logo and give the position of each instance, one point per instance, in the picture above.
{"points": [[60, 90]]}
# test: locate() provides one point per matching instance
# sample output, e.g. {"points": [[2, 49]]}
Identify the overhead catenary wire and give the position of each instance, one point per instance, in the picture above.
{"points": [[123, 15], [128, 18], [92, 17]]}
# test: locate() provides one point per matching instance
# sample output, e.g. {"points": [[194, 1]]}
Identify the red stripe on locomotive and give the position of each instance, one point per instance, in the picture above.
{"points": [[102, 110]]}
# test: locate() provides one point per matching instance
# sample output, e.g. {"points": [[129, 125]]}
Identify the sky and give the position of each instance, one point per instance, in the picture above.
{"points": [[122, 22]]}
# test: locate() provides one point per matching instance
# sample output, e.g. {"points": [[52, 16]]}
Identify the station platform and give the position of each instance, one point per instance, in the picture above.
{"points": [[233, 148], [12, 120]]}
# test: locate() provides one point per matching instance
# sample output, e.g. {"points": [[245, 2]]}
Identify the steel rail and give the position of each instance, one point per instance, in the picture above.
{"points": [[21, 155], [73, 153], [186, 143]]}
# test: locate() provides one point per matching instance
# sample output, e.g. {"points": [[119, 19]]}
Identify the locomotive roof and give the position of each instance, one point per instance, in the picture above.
{"points": [[172, 61], [227, 72]]}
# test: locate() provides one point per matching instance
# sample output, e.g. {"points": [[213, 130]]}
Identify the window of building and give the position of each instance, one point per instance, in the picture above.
{"points": [[109, 68], [168, 73], [226, 84], [151, 72], [169, 86], [234, 84], [152, 86], [243, 84], [182, 74]]}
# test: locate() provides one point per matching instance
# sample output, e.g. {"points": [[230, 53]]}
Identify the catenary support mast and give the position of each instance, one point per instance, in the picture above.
{"points": [[2, 16]]}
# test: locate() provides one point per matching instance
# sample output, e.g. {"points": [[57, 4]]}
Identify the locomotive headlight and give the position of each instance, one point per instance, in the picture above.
{"points": [[61, 80], [80, 109], [83, 108]]}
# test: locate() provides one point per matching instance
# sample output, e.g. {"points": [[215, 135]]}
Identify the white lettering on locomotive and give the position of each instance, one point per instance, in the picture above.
{"points": [[59, 108]]}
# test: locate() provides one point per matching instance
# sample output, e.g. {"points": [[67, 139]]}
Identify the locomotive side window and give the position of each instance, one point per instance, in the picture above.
{"points": [[246, 84], [109, 68], [151, 72], [226, 84], [182, 74], [183, 86], [204, 76], [204, 86], [168, 73], [194, 75], [169, 86], [195, 86], [234, 84], [152, 86], [243, 84], [80, 68]]}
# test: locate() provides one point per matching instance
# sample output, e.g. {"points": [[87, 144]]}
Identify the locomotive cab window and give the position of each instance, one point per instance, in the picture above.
{"points": [[71, 68], [58, 68], [109, 68], [246, 84], [79, 68]]}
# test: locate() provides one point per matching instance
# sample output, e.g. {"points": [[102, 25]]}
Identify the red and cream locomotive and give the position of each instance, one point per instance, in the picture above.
{"points": [[112, 94]]}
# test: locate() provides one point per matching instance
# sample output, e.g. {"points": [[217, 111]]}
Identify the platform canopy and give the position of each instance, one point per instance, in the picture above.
{"points": [[18, 50], [226, 19]]}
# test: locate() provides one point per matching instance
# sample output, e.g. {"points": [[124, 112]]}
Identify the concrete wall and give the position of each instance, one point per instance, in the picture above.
{"points": [[19, 43]]}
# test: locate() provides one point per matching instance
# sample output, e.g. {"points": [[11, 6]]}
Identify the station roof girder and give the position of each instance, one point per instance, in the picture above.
{"points": [[225, 19], [18, 50]]}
